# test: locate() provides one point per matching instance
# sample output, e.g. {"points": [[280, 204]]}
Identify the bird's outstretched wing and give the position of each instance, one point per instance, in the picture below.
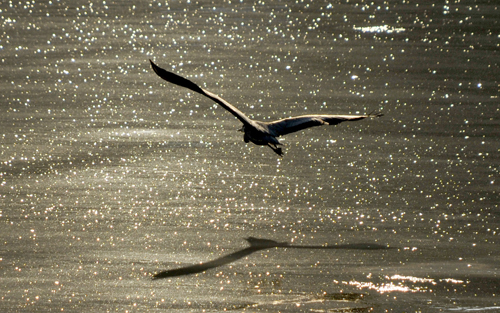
{"points": [[293, 124], [183, 82]]}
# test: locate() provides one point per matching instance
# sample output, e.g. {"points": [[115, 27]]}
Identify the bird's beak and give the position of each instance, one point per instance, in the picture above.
{"points": [[242, 129]]}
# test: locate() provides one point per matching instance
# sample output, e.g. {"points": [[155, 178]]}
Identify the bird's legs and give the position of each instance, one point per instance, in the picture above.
{"points": [[277, 150]]}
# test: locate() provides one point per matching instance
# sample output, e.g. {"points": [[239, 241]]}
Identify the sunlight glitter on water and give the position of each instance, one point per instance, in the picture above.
{"points": [[398, 283], [380, 29], [108, 173]]}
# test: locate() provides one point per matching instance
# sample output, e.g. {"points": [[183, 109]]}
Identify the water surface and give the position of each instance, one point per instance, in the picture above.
{"points": [[109, 174]]}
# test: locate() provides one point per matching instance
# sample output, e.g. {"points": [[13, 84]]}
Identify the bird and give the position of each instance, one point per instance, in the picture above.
{"points": [[259, 132]]}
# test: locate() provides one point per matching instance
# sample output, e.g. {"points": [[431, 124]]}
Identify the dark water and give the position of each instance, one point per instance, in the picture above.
{"points": [[109, 175]]}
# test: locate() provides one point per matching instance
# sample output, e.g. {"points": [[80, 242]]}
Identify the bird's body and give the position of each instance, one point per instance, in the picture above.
{"points": [[257, 132]]}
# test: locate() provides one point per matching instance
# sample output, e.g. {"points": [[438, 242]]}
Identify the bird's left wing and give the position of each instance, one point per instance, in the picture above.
{"points": [[181, 81], [293, 124]]}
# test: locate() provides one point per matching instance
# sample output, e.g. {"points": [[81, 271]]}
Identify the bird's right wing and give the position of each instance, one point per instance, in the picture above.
{"points": [[293, 124], [183, 82]]}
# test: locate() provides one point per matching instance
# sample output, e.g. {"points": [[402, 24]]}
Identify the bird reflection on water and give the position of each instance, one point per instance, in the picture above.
{"points": [[257, 244]]}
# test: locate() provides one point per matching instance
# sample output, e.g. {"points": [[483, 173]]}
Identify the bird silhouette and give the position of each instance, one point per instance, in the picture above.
{"points": [[258, 132]]}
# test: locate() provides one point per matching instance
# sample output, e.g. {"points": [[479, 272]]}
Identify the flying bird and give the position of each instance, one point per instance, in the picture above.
{"points": [[262, 133]]}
